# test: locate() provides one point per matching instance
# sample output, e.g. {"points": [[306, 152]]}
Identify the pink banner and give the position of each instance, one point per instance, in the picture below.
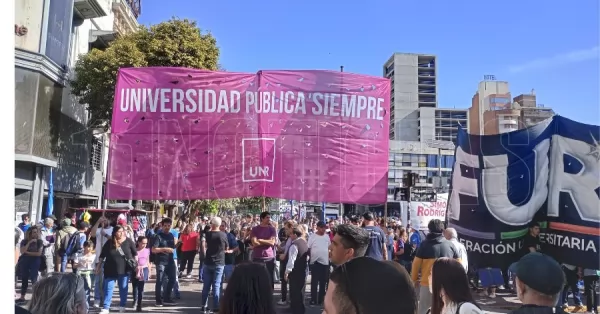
{"points": [[304, 135]]}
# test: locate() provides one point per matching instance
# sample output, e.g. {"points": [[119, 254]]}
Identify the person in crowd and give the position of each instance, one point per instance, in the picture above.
{"points": [[29, 262], [390, 244], [214, 264], [102, 231], [349, 242], [231, 252], [202, 251], [62, 241], [377, 248], [85, 268], [572, 275], [318, 244], [539, 280], [296, 270], [263, 241], [114, 256], [590, 282], [142, 273], [163, 248], [25, 223], [190, 244], [531, 243], [248, 291], [59, 293], [351, 289], [451, 235], [277, 269], [241, 255], [284, 246], [79, 235], [415, 236], [47, 237], [177, 294], [449, 288], [405, 252], [435, 246]]}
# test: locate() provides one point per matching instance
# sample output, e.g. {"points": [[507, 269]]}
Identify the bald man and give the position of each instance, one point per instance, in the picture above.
{"points": [[451, 235]]}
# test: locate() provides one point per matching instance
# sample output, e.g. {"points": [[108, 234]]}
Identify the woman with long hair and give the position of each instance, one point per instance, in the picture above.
{"points": [[248, 291], [59, 293], [404, 254], [190, 244], [449, 287], [142, 272], [115, 257], [30, 259]]}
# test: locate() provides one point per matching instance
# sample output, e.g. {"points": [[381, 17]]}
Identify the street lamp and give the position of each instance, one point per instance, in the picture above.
{"points": [[445, 145]]}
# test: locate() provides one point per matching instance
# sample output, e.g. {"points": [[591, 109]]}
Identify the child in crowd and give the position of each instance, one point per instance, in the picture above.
{"points": [[85, 268]]}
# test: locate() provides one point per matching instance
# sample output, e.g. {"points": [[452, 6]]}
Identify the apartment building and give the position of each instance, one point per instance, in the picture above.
{"points": [[532, 113], [50, 126]]}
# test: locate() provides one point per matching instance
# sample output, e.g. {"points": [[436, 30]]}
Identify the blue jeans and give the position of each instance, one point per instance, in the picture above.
{"points": [[63, 263], [29, 267], [175, 285], [512, 271], [227, 271], [98, 292], [571, 282], [162, 271], [212, 275], [109, 286]]}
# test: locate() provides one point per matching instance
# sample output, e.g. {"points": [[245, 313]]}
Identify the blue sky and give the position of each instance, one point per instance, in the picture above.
{"points": [[551, 46]]}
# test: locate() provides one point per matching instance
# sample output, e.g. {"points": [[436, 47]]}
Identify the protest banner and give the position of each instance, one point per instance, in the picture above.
{"points": [[422, 212], [547, 173], [305, 135]]}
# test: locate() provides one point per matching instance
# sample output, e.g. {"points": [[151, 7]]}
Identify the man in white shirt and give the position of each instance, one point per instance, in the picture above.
{"points": [[451, 235], [318, 245]]}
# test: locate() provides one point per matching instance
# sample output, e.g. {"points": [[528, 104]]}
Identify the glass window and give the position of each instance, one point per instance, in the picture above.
{"points": [[391, 157], [422, 164], [422, 158], [406, 164], [414, 158], [432, 161], [449, 161], [414, 164]]}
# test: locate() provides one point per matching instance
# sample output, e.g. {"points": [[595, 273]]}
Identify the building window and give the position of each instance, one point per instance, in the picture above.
{"points": [[96, 153], [432, 161]]}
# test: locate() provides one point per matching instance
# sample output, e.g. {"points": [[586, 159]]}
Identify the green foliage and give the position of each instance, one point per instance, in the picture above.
{"points": [[204, 207], [255, 204], [176, 43]]}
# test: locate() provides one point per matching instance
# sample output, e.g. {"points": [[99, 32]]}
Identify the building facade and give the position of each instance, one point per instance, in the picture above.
{"points": [[414, 86], [50, 125], [493, 111]]}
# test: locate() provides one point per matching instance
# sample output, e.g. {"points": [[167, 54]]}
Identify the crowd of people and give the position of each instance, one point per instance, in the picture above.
{"points": [[360, 265]]}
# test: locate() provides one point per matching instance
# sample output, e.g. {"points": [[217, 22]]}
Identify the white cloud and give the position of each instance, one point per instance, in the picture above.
{"points": [[558, 60]]}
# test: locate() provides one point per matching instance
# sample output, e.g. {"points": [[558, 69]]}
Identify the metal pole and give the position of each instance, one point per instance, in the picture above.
{"points": [[264, 205], [440, 166], [341, 68]]}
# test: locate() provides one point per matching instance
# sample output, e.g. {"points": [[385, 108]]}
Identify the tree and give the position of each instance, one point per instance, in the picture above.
{"points": [[176, 43], [255, 204]]}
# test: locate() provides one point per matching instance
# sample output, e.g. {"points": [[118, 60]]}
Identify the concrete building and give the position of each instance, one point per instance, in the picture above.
{"points": [[414, 86], [50, 126], [493, 111], [532, 113]]}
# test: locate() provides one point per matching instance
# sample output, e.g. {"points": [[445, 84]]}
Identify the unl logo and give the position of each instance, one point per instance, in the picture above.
{"points": [[258, 166]]}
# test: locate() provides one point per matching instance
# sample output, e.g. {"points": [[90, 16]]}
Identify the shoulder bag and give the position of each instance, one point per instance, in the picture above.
{"points": [[130, 263]]}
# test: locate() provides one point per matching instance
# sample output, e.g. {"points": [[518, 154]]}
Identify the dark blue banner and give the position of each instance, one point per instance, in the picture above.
{"points": [[549, 173], [60, 19]]}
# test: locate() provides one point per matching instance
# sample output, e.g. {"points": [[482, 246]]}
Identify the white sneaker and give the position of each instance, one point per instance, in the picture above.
{"points": [[121, 309], [281, 302], [103, 311], [96, 304], [492, 295]]}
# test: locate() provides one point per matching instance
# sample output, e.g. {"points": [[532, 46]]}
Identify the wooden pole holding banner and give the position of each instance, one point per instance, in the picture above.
{"points": [[385, 205], [264, 204]]}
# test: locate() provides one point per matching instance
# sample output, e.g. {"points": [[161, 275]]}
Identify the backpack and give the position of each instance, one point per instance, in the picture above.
{"points": [[74, 244]]}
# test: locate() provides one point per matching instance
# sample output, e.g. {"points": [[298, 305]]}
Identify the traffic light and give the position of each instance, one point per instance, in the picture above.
{"points": [[410, 179]]}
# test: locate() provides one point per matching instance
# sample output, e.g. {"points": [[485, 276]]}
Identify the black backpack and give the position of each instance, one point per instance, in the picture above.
{"points": [[74, 244]]}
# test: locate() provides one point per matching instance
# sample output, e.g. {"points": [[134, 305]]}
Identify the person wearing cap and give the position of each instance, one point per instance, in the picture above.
{"points": [[351, 289], [318, 244], [539, 280], [377, 248], [62, 240], [296, 270]]}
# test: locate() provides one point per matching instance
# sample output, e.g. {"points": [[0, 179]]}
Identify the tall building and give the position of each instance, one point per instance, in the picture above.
{"points": [[493, 111], [51, 128], [414, 86], [532, 113]]}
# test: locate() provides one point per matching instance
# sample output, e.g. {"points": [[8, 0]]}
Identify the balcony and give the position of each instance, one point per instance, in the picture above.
{"points": [[89, 9], [426, 81], [427, 91], [126, 14]]}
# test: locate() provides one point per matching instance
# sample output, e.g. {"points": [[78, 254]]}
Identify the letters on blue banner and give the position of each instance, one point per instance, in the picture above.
{"points": [[549, 173]]}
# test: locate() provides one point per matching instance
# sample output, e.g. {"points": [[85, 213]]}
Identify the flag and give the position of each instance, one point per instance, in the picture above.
{"points": [[50, 207]]}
